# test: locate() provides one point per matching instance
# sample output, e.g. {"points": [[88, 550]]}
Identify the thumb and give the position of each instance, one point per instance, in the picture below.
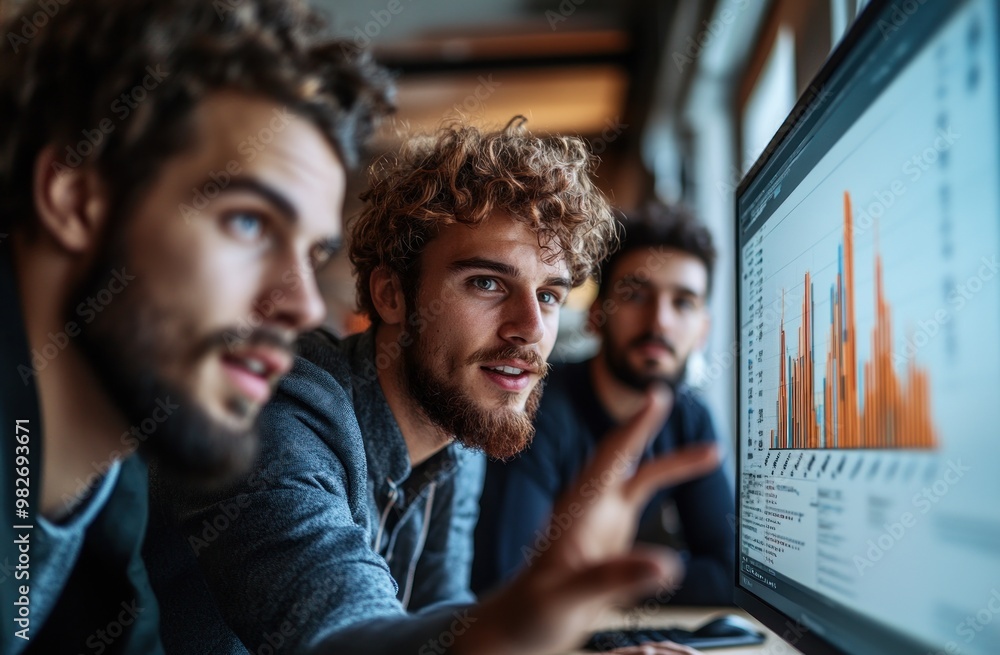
{"points": [[679, 466], [629, 440]]}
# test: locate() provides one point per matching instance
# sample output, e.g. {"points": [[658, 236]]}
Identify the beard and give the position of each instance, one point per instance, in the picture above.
{"points": [[500, 433], [129, 344], [616, 359]]}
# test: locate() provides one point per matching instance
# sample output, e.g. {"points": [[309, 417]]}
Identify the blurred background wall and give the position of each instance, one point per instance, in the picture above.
{"points": [[677, 98]]}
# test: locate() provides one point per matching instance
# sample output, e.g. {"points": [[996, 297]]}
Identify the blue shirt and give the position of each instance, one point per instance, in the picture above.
{"points": [[85, 573], [519, 495]]}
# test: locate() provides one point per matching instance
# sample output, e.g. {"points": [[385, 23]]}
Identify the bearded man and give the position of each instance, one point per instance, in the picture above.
{"points": [[143, 220], [354, 532], [650, 313]]}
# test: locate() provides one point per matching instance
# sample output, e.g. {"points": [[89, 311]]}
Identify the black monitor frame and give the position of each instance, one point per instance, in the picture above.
{"points": [[860, 43]]}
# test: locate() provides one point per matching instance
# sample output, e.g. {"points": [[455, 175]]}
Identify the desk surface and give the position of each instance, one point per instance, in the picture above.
{"points": [[689, 618]]}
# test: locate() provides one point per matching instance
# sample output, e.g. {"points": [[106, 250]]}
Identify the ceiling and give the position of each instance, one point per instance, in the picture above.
{"points": [[576, 67], [565, 64]]}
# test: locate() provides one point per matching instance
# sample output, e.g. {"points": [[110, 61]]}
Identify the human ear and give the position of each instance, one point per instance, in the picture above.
{"points": [[70, 204], [387, 296]]}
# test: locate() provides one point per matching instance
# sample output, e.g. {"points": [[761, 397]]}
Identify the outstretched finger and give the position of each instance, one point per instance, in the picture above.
{"points": [[679, 466], [628, 441]]}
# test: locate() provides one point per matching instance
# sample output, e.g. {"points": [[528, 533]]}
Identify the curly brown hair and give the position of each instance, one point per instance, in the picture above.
{"points": [[462, 175], [76, 71]]}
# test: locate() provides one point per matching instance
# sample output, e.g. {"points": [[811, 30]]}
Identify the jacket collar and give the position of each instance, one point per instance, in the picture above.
{"points": [[385, 448]]}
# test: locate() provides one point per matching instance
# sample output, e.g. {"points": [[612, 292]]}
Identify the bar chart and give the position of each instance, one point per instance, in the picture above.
{"points": [[882, 408]]}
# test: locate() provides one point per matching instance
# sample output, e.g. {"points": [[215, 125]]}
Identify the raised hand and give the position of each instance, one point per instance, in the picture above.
{"points": [[591, 566]]}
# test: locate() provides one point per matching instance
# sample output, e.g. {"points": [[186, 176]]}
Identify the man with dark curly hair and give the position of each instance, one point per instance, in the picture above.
{"points": [[171, 174], [354, 533]]}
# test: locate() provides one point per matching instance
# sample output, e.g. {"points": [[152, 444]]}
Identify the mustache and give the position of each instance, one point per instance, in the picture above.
{"points": [[231, 339], [511, 352], [653, 340]]}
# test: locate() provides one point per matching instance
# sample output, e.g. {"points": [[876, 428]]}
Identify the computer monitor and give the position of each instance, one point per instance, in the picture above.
{"points": [[868, 238]]}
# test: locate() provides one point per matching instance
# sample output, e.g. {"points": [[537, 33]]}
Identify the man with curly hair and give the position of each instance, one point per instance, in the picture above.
{"points": [[354, 533], [171, 173], [651, 314]]}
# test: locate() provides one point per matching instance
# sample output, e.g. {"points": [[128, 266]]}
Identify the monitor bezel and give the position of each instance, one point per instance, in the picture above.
{"points": [[779, 622]]}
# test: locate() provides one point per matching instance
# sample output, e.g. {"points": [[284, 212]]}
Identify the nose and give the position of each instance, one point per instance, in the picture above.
{"points": [[523, 322], [297, 299], [663, 314]]}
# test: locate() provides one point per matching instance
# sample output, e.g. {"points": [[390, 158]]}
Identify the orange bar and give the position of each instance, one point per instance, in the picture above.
{"points": [[894, 410]]}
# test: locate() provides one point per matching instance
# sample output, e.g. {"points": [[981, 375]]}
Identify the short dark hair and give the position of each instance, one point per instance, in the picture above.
{"points": [[657, 225], [77, 69]]}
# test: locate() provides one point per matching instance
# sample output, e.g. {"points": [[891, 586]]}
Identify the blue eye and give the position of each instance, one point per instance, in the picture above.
{"points": [[246, 225], [548, 298], [485, 284]]}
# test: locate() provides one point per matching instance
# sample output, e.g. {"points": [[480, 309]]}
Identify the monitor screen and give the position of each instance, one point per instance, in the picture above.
{"points": [[869, 321]]}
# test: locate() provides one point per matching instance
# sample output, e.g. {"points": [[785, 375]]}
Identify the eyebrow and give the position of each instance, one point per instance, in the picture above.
{"points": [[632, 280], [268, 192], [687, 291], [501, 268]]}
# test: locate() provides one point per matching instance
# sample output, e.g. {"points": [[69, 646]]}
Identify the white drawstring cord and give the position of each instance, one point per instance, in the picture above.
{"points": [[393, 494], [420, 545]]}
